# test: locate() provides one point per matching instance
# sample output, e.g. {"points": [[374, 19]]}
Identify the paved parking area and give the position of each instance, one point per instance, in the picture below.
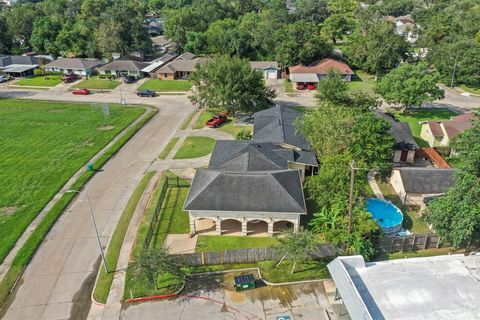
{"points": [[213, 297]]}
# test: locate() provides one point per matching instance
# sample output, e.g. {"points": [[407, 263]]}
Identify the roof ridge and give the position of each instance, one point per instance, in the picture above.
{"points": [[205, 186], [274, 175]]}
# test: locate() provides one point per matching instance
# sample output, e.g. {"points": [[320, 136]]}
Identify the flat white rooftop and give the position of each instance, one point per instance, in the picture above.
{"points": [[443, 287]]}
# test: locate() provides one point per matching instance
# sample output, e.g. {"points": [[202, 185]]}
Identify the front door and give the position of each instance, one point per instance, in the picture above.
{"points": [[404, 156]]}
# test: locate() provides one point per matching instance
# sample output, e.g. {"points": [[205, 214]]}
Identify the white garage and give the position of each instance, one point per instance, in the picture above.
{"points": [[269, 69]]}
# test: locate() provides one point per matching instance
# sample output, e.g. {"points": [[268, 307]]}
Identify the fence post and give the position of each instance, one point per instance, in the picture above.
{"points": [[438, 242], [426, 242], [413, 243], [403, 245]]}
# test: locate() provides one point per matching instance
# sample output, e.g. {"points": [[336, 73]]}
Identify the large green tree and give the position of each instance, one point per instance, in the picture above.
{"points": [[410, 86], [455, 216], [341, 18], [376, 47], [230, 83], [298, 246]]}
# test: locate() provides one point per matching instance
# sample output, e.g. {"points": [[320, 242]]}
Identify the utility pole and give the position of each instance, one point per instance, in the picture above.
{"points": [[95, 227], [350, 202]]}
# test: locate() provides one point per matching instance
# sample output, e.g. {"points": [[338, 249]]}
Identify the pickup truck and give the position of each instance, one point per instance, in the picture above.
{"points": [[216, 121]]}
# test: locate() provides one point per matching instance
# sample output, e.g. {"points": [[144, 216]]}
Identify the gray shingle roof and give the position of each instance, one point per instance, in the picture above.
{"points": [[124, 65], [277, 125], [256, 156], [260, 191], [401, 132], [264, 65], [181, 65], [426, 180], [18, 60], [74, 63]]}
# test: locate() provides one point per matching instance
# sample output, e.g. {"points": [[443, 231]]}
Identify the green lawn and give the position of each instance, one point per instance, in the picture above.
{"points": [[229, 127], [171, 220], [43, 144], [411, 218], [104, 281], [194, 147], [413, 117], [475, 89], [288, 86], [417, 254], [220, 243], [166, 151], [40, 81], [166, 85], [362, 82], [309, 270], [97, 83]]}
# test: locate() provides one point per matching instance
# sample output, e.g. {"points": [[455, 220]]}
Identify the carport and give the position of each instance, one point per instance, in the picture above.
{"points": [[304, 77], [19, 70]]}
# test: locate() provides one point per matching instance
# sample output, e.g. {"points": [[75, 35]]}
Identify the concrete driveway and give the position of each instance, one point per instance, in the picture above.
{"points": [[213, 297], [58, 282]]}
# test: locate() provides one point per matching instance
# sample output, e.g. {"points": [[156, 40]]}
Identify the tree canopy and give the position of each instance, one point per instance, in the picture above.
{"points": [[230, 83], [410, 86]]}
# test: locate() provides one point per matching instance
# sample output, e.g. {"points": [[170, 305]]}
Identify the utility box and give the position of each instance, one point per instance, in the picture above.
{"points": [[244, 282], [90, 166]]}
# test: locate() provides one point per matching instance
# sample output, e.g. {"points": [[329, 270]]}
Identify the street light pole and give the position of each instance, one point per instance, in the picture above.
{"points": [[96, 229], [350, 202]]}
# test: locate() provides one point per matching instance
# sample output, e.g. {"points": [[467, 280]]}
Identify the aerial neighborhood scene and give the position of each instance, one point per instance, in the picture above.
{"points": [[240, 159]]}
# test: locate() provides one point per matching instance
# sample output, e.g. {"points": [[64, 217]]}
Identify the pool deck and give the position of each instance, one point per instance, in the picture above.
{"points": [[373, 184]]}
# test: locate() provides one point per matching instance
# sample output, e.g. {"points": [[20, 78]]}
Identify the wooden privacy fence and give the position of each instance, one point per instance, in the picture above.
{"points": [[408, 243], [249, 255]]}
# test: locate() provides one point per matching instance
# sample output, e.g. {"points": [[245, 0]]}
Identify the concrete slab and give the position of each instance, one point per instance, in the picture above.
{"points": [[180, 243]]}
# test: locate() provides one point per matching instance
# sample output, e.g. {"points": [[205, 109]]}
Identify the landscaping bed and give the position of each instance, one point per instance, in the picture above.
{"points": [[166, 85]]}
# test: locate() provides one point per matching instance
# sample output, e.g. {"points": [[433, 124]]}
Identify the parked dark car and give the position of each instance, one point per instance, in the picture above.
{"points": [[146, 93], [300, 86], [69, 78], [129, 79]]}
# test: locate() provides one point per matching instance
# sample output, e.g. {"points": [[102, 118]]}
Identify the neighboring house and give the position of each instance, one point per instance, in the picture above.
{"points": [[405, 147], [441, 288], [155, 28], [78, 66], [318, 70], [405, 26], [269, 69], [123, 67], [19, 66], [246, 199], [259, 156], [180, 68], [162, 44], [415, 185], [157, 63], [440, 133], [277, 125]]}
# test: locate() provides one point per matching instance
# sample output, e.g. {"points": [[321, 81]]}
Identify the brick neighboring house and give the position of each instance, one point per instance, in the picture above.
{"points": [[178, 69], [78, 66], [122, 67], [440, 133], [318, 70]]}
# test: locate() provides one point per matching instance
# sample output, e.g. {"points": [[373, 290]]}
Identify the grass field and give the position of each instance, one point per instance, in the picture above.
{"points": [[163, 155], [40, 81], [413, 117], [43, 145], [228, 127], [418, 254], [166, 85], [288, 86], [220, 243], [97, 83], [475, 89], [194, 147]]}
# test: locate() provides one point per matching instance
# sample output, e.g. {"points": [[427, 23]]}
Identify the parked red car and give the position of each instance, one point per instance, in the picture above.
{"points": [[300, 86], [81, 91], [216, 120], [69, 78], [311, 86]]}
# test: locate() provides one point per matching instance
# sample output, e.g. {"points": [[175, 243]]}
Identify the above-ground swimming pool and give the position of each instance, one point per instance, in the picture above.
{"points": [[387, 215]]}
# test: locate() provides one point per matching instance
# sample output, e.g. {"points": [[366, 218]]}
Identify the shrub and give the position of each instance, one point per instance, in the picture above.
{"points": [[243, 135]]}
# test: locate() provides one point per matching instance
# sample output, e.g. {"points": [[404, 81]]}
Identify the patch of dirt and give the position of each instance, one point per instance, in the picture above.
{"points": [[106, 128], [7, 211], [87, 143]]}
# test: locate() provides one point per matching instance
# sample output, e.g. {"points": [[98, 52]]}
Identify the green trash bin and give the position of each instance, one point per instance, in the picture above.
{"points": [[90, 166], [244, 282]]}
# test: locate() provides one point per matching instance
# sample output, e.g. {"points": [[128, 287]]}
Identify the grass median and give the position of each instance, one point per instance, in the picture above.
{"points": [[96, 83], [166, 151], [24, 255], [104, 281]]}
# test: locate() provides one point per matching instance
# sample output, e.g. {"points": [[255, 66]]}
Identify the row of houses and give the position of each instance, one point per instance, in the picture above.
{"points": [[254, 187]]}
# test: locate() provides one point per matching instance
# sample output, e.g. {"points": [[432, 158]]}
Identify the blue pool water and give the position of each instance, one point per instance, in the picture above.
{"points": [[387, 215]]}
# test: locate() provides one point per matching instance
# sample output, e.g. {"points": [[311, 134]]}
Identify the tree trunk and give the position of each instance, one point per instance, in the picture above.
{"points": [[281, 260], [293, 268]]}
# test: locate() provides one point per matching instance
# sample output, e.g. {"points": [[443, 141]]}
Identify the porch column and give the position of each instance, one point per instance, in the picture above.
{"points": [[244, 227], [270, 228], [193, 230], [218, 226], [296, 225]]}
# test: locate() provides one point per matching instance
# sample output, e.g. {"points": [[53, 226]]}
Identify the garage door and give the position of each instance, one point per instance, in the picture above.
{"points": [[271, 74]]}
